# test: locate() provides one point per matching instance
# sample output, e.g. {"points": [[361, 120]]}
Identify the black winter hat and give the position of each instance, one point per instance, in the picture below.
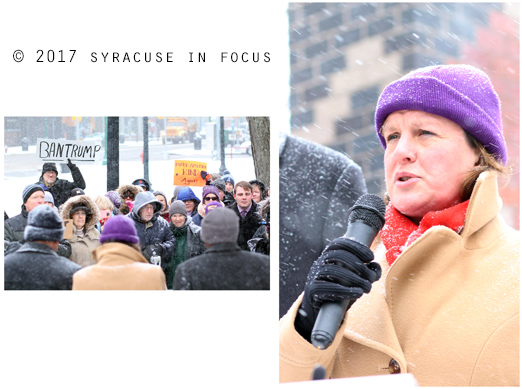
{"points": [[261, 186], [77, 192], [80, 207], [143, 183], [44, 223], [49, 167]]}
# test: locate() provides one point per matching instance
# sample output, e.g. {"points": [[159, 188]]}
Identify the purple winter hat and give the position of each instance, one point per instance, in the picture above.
{"points": [[209, 189], [461, 93], [120, 228], [114, 197], [213, 204]]}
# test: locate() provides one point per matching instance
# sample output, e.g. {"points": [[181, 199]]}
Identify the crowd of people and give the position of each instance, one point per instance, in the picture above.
{"points": [[133, 237]]}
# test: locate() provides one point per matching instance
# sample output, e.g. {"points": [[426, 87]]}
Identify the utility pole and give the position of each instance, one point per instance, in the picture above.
{"points": [[222, 168], [146, 148], [113, 153]]}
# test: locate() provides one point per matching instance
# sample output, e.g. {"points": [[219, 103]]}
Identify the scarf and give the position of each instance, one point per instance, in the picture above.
{"points": [[399, 232]]}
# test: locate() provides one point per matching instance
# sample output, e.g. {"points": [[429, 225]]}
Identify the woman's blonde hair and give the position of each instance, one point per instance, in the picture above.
{"points": [[104, 202]]}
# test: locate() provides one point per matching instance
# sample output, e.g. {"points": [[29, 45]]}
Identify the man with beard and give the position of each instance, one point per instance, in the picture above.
{"points": [[60, 189]]}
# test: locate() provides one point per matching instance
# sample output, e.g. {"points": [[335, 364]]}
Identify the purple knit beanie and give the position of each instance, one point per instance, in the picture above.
{"points": [[120, 228], [114, 197], [209, 189], [212, 205], [461, 93]]}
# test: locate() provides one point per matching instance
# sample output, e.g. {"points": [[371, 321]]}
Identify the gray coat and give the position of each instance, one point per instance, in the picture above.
{"points": [[14, 232], [155, 232], [224, 266], [36, 266]]}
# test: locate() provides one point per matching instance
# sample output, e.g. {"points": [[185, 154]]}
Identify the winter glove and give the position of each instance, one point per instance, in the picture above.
{"points": [[344, 271], [70, 165], [149, 251]]}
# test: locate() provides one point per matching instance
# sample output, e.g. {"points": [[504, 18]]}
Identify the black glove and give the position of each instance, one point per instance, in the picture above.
{"points": [[149, 251], [344, 271], [70, 165]]}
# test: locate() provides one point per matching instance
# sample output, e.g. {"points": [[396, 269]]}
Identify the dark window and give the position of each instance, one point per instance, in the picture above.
{"points": [[380, 26], [402, 41], [331, 22], [365, 143], [316, 92], [333, 65], [313, 8], [300, 76], [318, 48], [363, 10], [364, 97], [302, 119], [347, 38], [298, 34], [416, 15], [349, 125]]}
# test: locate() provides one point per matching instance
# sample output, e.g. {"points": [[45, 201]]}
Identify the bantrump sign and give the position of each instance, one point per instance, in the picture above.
{"points": [[53, 150]]}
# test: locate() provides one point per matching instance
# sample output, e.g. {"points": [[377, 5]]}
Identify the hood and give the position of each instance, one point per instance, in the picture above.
{"points": [[144, 198], [85, 201], [187, 194], [124, 188]]}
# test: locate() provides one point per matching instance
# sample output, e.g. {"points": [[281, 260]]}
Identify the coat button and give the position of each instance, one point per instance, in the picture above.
{"points": [[394, 367]]}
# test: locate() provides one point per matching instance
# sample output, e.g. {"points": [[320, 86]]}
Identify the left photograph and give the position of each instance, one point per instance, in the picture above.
{"points": [[137, 203]]}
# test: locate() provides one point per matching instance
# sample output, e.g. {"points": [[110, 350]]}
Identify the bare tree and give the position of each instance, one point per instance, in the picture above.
{"points": [[259, 127]]}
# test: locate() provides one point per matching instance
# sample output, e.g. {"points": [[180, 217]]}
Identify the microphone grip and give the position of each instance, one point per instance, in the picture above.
{"points": [[328, 322], [331, 313]]}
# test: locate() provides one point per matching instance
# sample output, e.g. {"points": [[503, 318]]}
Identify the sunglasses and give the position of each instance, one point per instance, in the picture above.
{"points": [[210, 198]]}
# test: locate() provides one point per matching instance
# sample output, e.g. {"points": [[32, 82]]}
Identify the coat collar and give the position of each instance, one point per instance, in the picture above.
{"points": [[361, 327], [114, 253]]}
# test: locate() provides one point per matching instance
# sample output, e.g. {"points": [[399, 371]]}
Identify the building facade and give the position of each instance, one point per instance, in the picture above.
{"points": [[342, 55]]}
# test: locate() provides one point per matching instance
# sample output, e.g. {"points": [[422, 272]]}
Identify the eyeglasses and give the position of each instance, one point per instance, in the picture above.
{"points": [[210, 198]]}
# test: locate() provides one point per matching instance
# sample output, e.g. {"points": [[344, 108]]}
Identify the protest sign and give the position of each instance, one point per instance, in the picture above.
{"points": [[54, 150], [188, 173], [68, 224]]}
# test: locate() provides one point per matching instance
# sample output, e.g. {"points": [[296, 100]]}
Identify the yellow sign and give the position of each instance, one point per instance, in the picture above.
{"points": [[188, 173]]}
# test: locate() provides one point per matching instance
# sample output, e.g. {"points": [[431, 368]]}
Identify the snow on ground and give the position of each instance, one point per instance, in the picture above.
{"points": [[161, 173]]}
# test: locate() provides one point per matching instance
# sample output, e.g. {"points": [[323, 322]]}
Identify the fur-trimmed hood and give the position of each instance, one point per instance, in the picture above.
{"points": [[85, 201], [124, 188]]}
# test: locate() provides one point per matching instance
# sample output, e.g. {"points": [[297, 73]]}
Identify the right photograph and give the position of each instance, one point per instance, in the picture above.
{"points": [[399, 242]]}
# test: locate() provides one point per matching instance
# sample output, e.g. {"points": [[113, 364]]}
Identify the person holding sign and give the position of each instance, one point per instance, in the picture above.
{"points": [[60, 189], [442, 298]]}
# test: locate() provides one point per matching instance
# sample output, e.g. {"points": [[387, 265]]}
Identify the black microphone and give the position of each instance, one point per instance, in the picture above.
{"points": [[364, 223]]}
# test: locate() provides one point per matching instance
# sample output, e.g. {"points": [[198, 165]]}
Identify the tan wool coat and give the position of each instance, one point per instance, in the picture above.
{"points": [[83, 246], [446, 311], [119, 267]]}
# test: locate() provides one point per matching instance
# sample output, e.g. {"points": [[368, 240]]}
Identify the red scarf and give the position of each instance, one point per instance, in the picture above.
{"points": [[399, 231]]}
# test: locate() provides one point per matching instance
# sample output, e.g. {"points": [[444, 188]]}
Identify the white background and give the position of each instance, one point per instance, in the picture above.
{"points": [[139, 339]]}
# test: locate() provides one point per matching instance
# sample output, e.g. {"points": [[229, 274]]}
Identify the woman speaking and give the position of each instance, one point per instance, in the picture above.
{"points": [[444, 303]]}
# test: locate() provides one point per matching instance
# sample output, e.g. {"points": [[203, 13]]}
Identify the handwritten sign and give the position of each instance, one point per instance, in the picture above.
{"points": [[68, 224], [55, 150], [188, 173]]}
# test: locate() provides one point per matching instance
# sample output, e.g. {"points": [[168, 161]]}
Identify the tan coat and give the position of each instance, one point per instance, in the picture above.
{"points": [[83, 246], [447, 310], [119, 267]]}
